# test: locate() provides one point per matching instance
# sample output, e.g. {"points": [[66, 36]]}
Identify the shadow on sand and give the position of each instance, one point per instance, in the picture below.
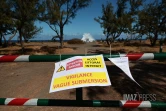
{"points": [[151, 76]]}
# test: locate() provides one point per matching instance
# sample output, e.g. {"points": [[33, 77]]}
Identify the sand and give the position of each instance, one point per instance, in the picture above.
{"points": [[32, 79]]}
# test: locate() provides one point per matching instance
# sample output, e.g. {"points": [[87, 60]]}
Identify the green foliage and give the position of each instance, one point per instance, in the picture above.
{"points": [[152, 20], [114, 22], [134, 9], [75, 41], [6, 23], [148, 20], [24, 13], [58, 13], [121, 7], [30, 30], [134, 6], [25, 10]]}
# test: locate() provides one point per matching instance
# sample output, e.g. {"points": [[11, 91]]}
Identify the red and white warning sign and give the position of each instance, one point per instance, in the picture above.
{"points": [[74, 64]]}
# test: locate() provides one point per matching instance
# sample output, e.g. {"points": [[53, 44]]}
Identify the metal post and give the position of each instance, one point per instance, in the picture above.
{"points": [[161, 46], [78, 94]]}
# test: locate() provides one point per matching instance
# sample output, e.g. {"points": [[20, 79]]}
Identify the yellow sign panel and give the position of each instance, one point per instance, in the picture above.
{"points": [[93, 62], [80, 79], [60, 69]]}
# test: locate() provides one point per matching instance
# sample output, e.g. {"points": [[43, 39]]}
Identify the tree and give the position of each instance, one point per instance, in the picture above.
{"points": [[134, 6], [24, 12], [152, 19], [134, 9], [30, 30], [58, 13], [114, 22], [6, 22], [107, 21]]}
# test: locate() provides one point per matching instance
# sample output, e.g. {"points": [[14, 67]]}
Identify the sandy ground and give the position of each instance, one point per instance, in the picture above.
{"points": [[38, 48], [32, 80]]}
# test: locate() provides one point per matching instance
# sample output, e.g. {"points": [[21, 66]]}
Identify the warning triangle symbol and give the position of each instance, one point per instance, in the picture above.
{"points": [[60, 69]]}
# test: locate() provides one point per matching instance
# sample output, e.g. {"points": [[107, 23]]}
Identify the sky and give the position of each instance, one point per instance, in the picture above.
{"points": [[83, 23]]}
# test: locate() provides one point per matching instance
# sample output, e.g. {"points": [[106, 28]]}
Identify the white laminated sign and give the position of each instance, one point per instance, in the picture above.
{"points": [[79, 71], [123, 64]]}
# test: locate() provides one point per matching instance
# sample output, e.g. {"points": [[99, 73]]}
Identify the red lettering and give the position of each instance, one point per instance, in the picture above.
{"points": [[74, 64]]}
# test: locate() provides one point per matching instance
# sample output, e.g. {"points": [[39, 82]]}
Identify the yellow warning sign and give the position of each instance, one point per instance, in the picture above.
{"points": [[93, 62], [83, 78], [60, 69], [79, 71]]}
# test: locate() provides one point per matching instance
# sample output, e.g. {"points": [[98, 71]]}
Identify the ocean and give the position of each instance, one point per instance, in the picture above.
{"points": [[52, 41]]}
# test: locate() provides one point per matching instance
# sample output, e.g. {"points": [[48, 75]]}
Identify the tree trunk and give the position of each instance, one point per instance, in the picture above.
{"points": [[140, 39], [107, 40], [154, 39], [5, 43], [10, 38], [25, 40], [61, 37], [112, 40], [21, 42], [1, 40]]}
